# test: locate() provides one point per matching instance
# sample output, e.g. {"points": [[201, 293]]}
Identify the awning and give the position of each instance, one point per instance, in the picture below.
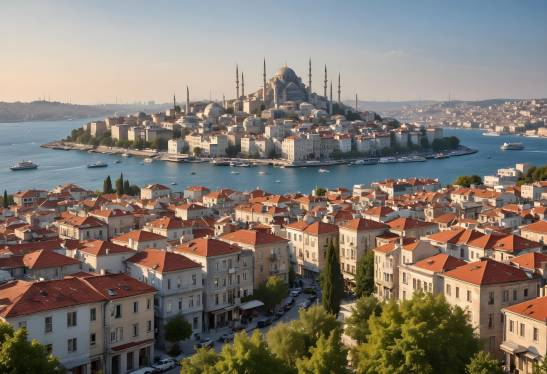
{"points": [[75, 362], [251, 305], [531, 355], [511, 347]]}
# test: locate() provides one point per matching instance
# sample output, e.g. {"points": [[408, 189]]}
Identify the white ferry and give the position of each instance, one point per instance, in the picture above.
{"points": [[98, 164], [387, 160], [24, 165]]}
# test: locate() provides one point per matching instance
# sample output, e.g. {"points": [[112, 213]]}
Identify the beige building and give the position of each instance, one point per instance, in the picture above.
{"points": [[99, 256], [174, 229], [192, 211], [482, 289], [141, 239], [536, 231], [118, 221], [82, 228], [525, 335], [155, 191], [412, 228], [295, 148], [270, 253]]}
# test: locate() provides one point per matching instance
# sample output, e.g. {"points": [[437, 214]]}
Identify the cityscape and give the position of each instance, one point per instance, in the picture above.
{"points": [[202, 187]]}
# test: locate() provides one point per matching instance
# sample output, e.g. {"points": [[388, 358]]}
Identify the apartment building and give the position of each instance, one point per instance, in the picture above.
{"points": [[118, 221], [82, 228]]}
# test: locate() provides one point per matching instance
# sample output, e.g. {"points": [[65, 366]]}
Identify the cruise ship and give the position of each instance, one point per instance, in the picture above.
{"points": [[388, 160], [24, 165], [512, 146]]}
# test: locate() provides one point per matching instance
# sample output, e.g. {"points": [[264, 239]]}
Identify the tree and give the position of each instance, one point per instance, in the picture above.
{"points": [[320, 191], [5, 201], [249, 355], [540, 367], [332, 282], [421, 335], [364, 275], [483, 363], [201, 362], [177, 329], [292, 275], [271, 292], [287, 342], [126, 187], [314, 322], [19, 355], [197, 151], [119, 185], [424, 142], [468, 180], [107, 185], [328, 357], [357, 322]]}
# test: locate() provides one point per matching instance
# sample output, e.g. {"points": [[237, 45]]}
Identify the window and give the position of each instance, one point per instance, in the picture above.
{"points": [[448, 289], [526, 292], [49, 348], [148, 304], [468, 296], [130, 361], [48, 324], [514, 295], [118, 311], [511, 326], [413, 283], [491, 298], [457, 292], [490, 321], [71, 319], [536, 334], [92, 339], [195, 323], [22, 324], [116, 334], [522, 332], [72, 345], [135, 329], [149, 326], [93, 314], [168, 284], [135, 307], [505, 296], [194, 279]]}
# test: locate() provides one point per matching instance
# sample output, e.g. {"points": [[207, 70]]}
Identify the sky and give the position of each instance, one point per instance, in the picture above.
{"points": [[92, 52]]}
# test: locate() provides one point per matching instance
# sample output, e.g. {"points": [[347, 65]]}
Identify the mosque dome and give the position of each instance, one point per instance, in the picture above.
{"points": [[287, 74], [213, 110]]}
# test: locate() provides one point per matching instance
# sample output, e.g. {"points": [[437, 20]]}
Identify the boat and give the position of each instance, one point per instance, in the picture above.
{"points": [[126, 155], [244, 165], [173, 183], [234, 172], [24, 165], [98, 164], [416, 159], [117, 162], [262, 172], [357, 162], [221, 163], [490, 133], [512, 146], [148, 160], [324, 171], [277, 181], [193, 173], [387, 160], [440, 156]]}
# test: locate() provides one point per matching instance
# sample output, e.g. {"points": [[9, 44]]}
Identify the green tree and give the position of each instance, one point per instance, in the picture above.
{"points": [[328, 357], [201, 362], [357, 322], [364, 275], [332, 282], [287, 342], [271, 292], [540, 367], [176, 330], [483, 363], [468, 180], [119, 185], [19, 355], [422, 335], [424, 142], [5, 201], [249, 355], [314, 322], [126, 187], [320, 191], [107, 185], [197, 151]]}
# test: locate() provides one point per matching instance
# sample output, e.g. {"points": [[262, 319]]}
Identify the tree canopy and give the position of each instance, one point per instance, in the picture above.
{"points": [[177, 329], [327, 357], [332, 282], [364, 275], [272, 292], [357, 322], [483, 363], [468, 180]]}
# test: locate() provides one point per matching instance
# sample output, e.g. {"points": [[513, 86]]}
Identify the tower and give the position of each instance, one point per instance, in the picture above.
{"points": [[224, 102], [264, 82], [237, 82], [309, 78], [356, 103], [339, 88], [325, 83], [174, 104], [275, 95], [187, 100], [242, 85], [330, 101]]}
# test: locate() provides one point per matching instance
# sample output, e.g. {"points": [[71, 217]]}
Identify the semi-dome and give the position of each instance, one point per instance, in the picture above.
{"points": [[213, 110], [287, 74]]}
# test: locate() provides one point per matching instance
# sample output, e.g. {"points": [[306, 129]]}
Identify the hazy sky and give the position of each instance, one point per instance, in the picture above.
{"points": [[97, 51]]}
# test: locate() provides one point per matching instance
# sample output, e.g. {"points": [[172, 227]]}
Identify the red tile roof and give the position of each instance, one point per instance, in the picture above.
{"points": [[47, 259], [440, 263], [116, 286], [539, 227], [208, 247], [379, 211], [534, 309], [253, 237], [138, 236], [168, 223], [162, 261], [103, 248], [361, 224], [315, 228], [487, 271], [403, 223], [531, 260], [82, 222], [515, 243]]}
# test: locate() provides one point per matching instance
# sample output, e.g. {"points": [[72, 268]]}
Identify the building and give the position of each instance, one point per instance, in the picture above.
{"points": [[141, 239], [155, 191], [536, 231], [296, 148], [82, 228], [99, 256]]}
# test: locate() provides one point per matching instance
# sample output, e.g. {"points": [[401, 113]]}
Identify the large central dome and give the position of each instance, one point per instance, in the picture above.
{"points": [[287, 74]]}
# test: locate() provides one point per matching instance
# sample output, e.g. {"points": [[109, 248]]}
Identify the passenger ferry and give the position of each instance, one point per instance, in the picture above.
{"points": [[24, 165]]}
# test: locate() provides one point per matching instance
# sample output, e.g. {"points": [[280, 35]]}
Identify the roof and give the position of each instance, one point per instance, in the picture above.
{"points": [[168, 223], [488, 271], [448, 236], [391, 246], [138, 236], [515, 243], [107, 213], [156, 186], [23, 298], [315, 228], [379, 211], [43, 259], [531, 260], [103, 248], [535, 309], [116, 286], [361, 224], [440, 263], [253, 237], [208, 247], [404, 223], [539, 227], [83, 222], [162, 261]]}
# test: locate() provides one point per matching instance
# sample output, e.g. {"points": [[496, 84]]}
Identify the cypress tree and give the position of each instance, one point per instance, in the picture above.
{"points": [[332, 282], [5, 202], [119, 185], [107, 185], [126, 187]]}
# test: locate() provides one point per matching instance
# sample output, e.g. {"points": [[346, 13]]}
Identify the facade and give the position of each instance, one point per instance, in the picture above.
{"points": [[82, 228]]}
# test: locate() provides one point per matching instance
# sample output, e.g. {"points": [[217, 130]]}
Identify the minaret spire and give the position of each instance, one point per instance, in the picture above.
{"points": [[242, 85], [325, 85], [356, 103], [330, 101], [309, 78], [187, 100], [237, 82], [264, 81], [174, 103], [339, 88]]}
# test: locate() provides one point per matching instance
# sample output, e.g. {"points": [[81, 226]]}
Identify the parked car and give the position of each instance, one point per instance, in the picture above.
{"points": [[205, 343], [165, 364], [237, 328], [263, 322], [296, 292], [145, 370], [226, 337], [280, 313]]}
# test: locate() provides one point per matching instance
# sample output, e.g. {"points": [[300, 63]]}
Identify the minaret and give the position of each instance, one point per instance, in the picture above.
{"points": [[237, 82], [339, 88], [330, 101], [187, 100], [242, 85], [174, 103], [325, 86], [224, 102], [356, 103], [264, 82], [275, 95], [309, 78]]}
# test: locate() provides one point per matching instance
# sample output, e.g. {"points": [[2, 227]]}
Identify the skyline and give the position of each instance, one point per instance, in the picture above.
{"points": [[385, 51]]}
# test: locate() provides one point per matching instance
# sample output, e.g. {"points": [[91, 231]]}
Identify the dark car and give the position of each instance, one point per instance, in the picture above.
{"points": [[205, 343], [263, 322], [226, 337]]}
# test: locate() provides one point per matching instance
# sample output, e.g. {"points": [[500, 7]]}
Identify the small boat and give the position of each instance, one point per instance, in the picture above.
{"points": [[24, 165], [490, 133], [262, 172], [98, 164], [173, 183], [416, 159], [148, 160], [277, 181], [193, 173], [221, 163], [234, 172], [387, 160], [126, 155], [324, 171], [244, 165], [117, 162], [440, 156], [512, 146]]}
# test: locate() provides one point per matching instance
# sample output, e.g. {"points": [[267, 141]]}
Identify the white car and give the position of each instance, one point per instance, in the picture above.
{"points": [[145, 370], [165, 364]]}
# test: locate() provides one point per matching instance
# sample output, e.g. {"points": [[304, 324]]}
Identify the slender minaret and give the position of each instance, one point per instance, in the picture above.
{"points": [[309, 78], [174, 103], [237, 82], [187, 100], [224, 102], [356, 103], [264, 81], [242, 85], [339, 88], [275, 95], [325, 85], [330, 101]]}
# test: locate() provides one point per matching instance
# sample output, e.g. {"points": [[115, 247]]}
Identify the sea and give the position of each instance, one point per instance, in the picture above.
{"points": [[22, 140]]}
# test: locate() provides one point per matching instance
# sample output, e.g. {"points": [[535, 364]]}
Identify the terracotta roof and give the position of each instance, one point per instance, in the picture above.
{"points": [[103, 248], [116, 286], [515, 243], [156, 186], [107, 213], [34, 246], [84, 222], [138, 236], [47, 259], [440, 263], [488, 271], [361, 224], [534, 309], [315, 228], [539, 227], [23, 298], [168, 223], [531, 260], [253, 237], [448, 236], [379, 211], [391, 246], [403, 223], [192, 206], [208, 247], [446, 218], [162, 261]]}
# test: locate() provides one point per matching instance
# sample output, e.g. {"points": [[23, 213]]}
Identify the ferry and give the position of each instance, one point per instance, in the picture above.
{"points": [[24, 165], [512, 146], [98, 164], [221, 163], [148, 160], [490, 133], [387, 160]]}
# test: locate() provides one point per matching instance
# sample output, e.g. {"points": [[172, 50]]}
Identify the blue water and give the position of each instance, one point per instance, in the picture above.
{"points": [[21, 141]]}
